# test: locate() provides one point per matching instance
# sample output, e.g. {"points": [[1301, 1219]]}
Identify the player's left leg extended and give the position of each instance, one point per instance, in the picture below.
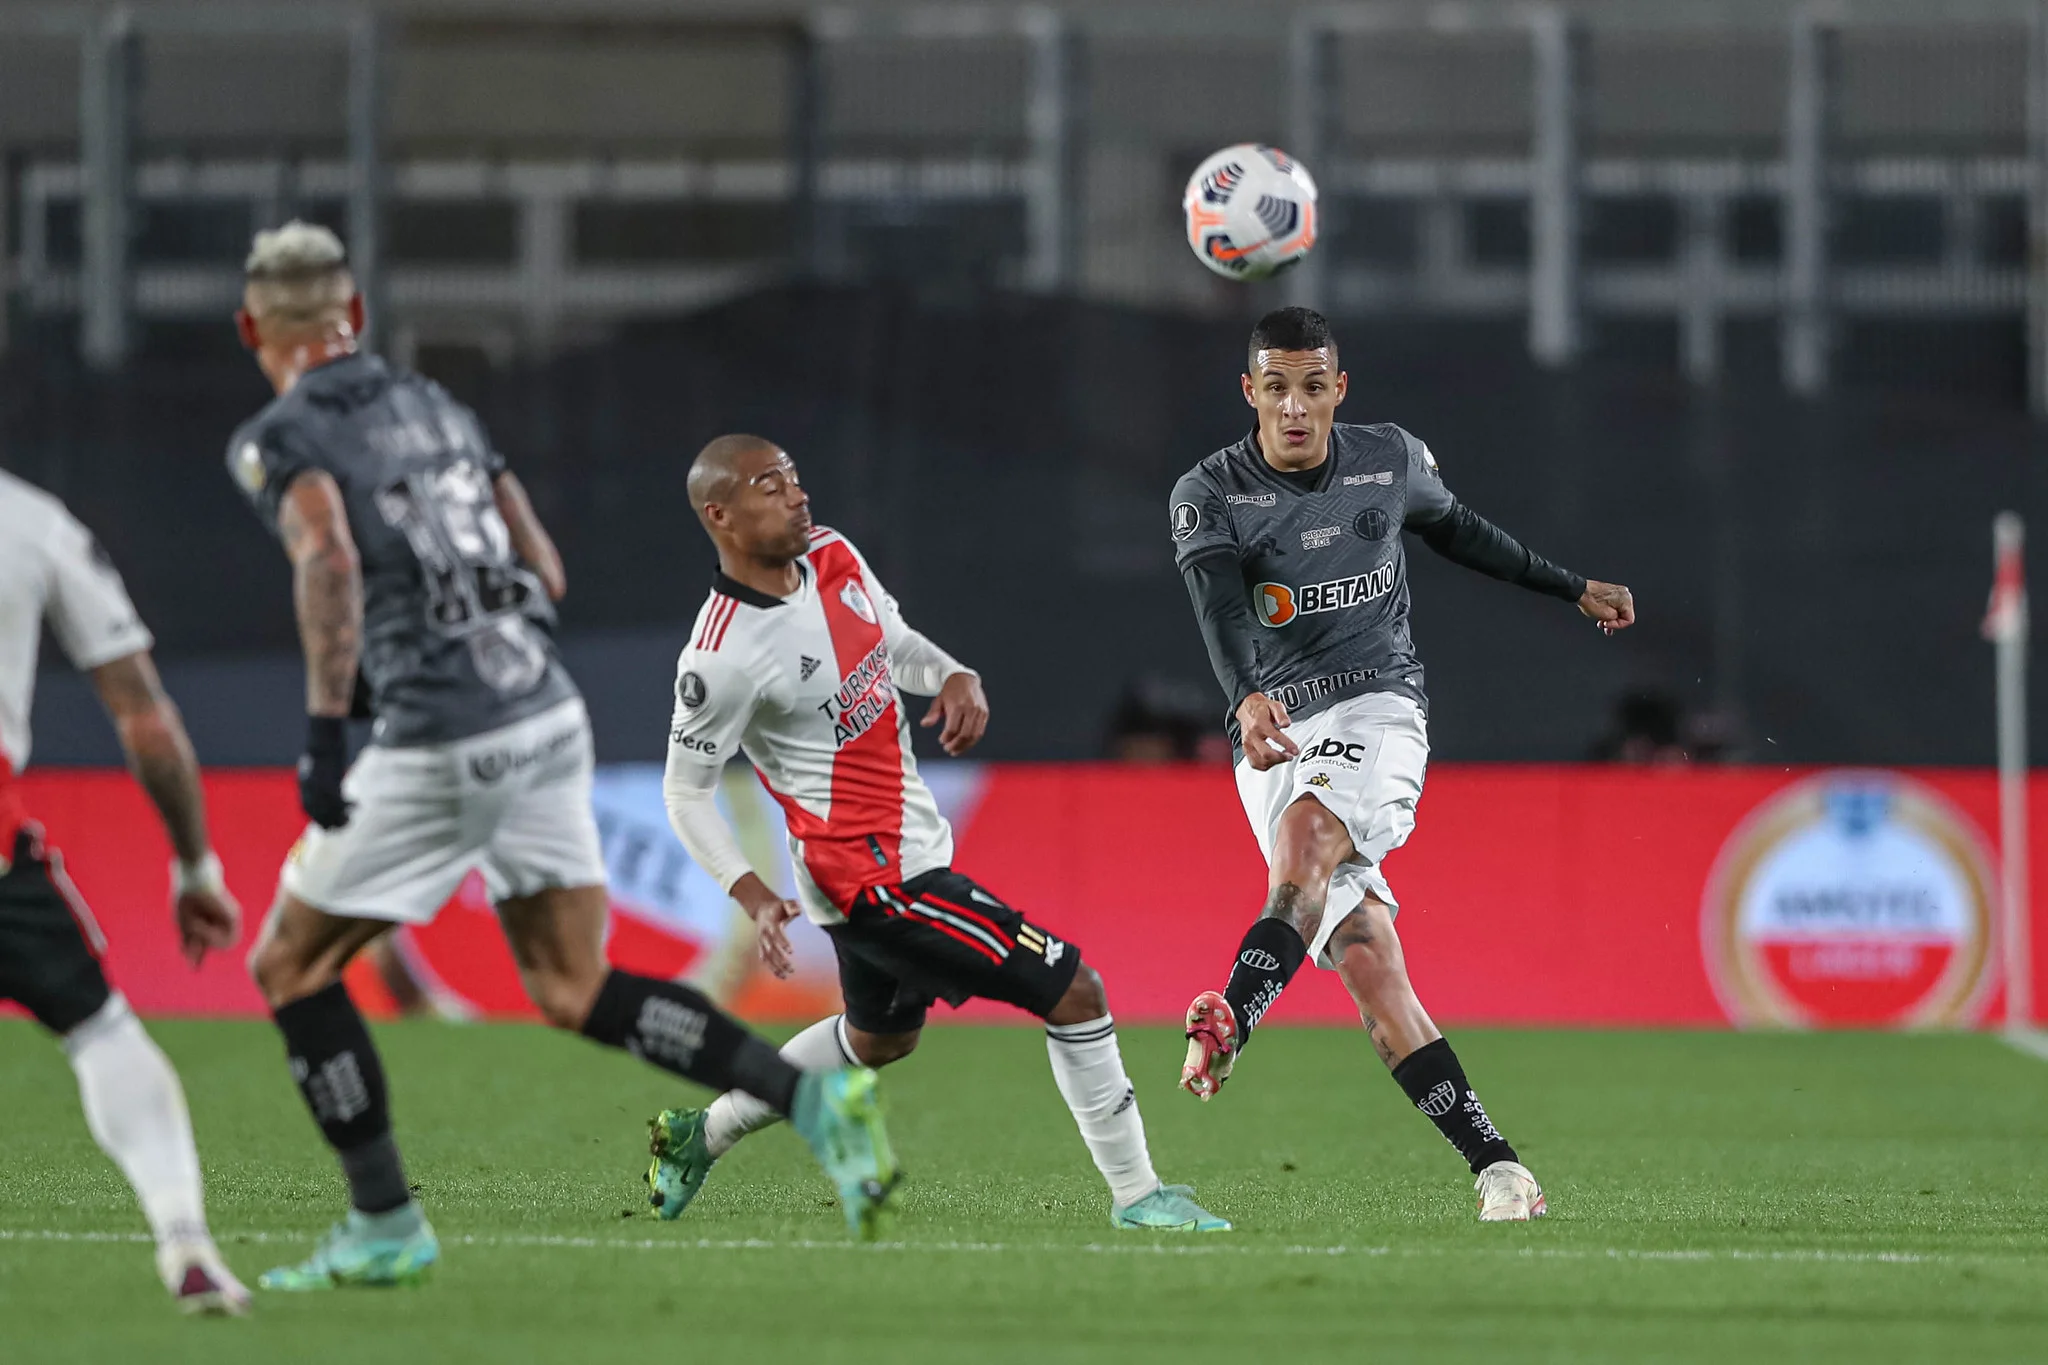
{"points": [[557, 938], [1368, 955]]}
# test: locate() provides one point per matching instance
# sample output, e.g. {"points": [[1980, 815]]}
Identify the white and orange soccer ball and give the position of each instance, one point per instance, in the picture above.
{"points": [[1250, 210]]}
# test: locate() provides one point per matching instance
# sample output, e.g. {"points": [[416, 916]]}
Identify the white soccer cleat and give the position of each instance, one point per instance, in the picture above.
{"points": [[200, 1281], [1509, 1194]]}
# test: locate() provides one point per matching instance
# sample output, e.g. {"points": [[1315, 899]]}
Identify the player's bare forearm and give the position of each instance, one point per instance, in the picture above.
{"points": [[530, 540], [327, 590], [159, 751]]}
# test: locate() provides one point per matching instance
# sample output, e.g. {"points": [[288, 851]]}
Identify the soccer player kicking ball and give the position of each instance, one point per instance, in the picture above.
{"points": [[52, 570], [798, 658], [417, 558], [1290, 543]]}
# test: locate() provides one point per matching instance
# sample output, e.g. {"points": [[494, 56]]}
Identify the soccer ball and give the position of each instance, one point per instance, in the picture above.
{"points": [[1250, 210]]}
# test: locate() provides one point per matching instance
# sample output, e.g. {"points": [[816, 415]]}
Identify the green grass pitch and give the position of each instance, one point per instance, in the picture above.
{"points": [[1713, 1197]]}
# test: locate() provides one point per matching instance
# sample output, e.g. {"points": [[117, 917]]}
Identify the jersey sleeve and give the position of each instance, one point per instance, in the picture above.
{"points": [[87, 605], [1428, 500], [263, 461], [1198, 519], [714, 700]]}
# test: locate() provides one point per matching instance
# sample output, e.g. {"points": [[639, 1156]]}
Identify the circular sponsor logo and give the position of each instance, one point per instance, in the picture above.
{"points": [[690, 689], [1851, 899], [1186, 517], [1439, 1100], [1371, 523], [1274, 603], [1259, 960]]}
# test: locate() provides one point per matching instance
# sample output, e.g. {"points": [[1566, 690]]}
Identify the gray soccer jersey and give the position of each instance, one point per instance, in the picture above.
{"points": [[1323, 566], [458, 638]]}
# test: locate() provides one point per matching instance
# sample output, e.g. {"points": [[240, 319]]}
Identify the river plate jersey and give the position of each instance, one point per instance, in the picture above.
{"points": [[1324, 568], [807, 687], [458, 637]]}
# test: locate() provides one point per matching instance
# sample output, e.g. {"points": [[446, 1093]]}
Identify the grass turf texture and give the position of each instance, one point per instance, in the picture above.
{"points": [[1713, 1197]]}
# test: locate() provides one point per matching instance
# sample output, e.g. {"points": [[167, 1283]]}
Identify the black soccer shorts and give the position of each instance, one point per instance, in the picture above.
{"points": [[939, 936], [50, 945]]}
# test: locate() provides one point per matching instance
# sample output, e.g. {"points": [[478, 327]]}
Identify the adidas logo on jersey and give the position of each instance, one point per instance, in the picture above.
{"points": [[807, 666]]}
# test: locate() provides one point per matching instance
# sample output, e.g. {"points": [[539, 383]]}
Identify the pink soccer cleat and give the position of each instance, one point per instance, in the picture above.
{"points": [[1212, 1046]]}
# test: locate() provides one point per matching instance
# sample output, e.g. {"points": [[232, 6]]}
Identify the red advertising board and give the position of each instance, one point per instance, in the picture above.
{"points": [[1530, 894]]}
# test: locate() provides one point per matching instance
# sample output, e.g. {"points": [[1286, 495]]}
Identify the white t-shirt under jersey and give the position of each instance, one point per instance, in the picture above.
{"points": [[807, 686], [52, 569]]}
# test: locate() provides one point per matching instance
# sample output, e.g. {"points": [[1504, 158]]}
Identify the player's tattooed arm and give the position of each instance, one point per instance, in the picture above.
{"points": [[160, 755], [159, 752], [327, 589], [530, 540]]}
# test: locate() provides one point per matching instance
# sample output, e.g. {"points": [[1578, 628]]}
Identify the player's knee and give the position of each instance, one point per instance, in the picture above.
{"points": [[280, 974], [1086, 998], [880, 1049], [1368, 958]]}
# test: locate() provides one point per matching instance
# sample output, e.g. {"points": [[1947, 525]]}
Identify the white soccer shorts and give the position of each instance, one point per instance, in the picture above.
{"points": [[1362, 758], [513, 802]]}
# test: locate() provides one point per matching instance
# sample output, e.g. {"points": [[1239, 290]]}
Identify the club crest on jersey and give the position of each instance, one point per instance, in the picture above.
{"points": [[856, 599]]}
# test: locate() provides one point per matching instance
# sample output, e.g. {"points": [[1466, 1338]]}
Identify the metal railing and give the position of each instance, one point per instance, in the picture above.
{"points": [[1003, 170]]}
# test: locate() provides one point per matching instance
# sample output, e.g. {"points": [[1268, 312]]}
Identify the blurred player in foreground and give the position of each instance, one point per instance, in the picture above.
{"points": [[417, 558], [1290, 543], [797, 658], [52, 570]]}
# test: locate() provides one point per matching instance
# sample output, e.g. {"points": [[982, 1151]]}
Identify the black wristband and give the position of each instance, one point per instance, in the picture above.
{"points": [[327, 736]]}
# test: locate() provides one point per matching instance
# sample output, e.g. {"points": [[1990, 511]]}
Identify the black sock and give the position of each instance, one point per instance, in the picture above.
{"points": [[342, 1079], [1434, 1080], [1267, 960], [680, 1030]]}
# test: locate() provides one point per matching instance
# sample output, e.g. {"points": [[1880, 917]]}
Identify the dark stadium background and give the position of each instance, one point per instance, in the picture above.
{"points": [[993, 389]]}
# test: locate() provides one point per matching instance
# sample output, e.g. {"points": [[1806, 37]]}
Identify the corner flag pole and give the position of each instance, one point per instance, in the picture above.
{"points": [[2005, 625]]}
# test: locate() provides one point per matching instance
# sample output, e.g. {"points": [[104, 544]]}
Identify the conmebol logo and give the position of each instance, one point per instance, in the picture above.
{"points": [[1852, 899]]}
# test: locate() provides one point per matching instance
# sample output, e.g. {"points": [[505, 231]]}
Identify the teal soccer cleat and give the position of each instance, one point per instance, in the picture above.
{"points": [[838, 1114], [1170, 1208], [682, 1161], [396, 1248]]}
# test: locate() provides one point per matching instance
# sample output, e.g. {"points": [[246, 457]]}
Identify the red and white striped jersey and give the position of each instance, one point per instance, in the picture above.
{"points": [[807, 687]]}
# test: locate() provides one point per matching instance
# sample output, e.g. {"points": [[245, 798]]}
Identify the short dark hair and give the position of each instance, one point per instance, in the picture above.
{"points": [[1289, 329]]}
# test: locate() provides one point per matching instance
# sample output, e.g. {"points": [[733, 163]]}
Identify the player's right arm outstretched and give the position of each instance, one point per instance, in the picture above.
{"points": [[1464, 537], [714, 701]]}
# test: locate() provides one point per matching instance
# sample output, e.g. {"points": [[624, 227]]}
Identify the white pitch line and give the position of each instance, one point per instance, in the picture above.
{"points": [[1819, 1255], [2032, 1042]]}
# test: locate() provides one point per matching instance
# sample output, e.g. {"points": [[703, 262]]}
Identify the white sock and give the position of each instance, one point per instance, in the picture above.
{"points": [[733, 1115], [136, 1111], [1090, 1071]]}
